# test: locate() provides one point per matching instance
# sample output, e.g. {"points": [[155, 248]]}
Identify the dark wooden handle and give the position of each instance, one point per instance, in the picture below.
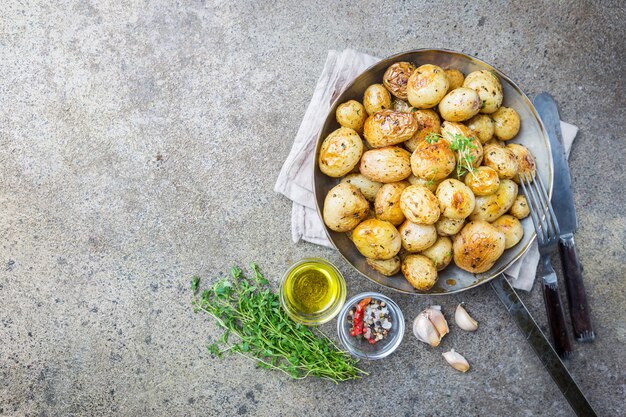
{"points": [[556, 320], [576, 295]]}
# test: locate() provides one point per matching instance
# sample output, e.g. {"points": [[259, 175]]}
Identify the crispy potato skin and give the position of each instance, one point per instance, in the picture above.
{"points": [[455, 78], [419, 205], [417, 237], [511, 228], [427, 122], [389, 164], [440, 252], [344, 207], [490, 207], [387, 203], [449, 227], [376, 98], [483, 126], [351, 114], [367, 187], [377, 239], [419, 271], [389, 127], [478, 246], [430, 184], [396, 78], [525, 160], [340, 152], [456, 200], [388, 267], [501, 159], [506, 123], [520, 208], [433, 161], [427, 86], [483, 181], [459, 105], [488, 87]]}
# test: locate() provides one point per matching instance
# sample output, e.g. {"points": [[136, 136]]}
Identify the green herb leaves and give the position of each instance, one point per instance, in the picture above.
{"points": [[249, 311], [463, 146]]}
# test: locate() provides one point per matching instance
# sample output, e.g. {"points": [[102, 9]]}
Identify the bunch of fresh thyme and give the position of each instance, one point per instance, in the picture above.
{"points": [[247, 309], [463, 146]]}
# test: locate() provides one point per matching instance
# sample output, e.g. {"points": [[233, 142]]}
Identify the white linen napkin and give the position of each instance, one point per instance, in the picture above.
{"points": [[295, 180]]}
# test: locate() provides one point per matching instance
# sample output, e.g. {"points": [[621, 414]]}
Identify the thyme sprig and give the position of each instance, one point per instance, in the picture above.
{"points": [[463, 146]]}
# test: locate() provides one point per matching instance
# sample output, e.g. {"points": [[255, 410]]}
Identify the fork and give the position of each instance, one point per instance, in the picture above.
{"points": [[547, 229]]}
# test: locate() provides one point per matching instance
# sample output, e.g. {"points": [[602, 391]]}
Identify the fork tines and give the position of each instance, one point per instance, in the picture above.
{"points": [[541, 210]]}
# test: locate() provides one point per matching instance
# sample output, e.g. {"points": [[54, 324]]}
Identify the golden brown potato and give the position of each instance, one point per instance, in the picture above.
{"points": [[525, 161], [340, 152], [433, 161], [396, 77], [367, 187], [387, 203], [450, 131], [488, 87], [506, 123], [478, 246], [448, 227], [460, 104], [427, 122], [501, 159], [430, 184], [389, 164], [376, 98], [455, 78], [426, 86], [511, 228], [417, 237], [419, 205], [483, 181], [351, 114], [456, 200], [520, 207], [388, 267], [440, 252], [401, 106], [492, 206], [344, 207], [388, 127], [483, 126], [419, 271], [377, 239]]}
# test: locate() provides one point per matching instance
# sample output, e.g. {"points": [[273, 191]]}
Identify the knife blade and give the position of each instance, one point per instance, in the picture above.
{"points": [[542, 347], [563, 205]]}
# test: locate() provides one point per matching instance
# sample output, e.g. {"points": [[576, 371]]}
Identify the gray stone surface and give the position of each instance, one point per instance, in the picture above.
{"points": [[139, 144]]}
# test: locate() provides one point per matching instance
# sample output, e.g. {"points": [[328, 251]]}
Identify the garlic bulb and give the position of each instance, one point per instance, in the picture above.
{"points": [[464, 320], [430, 326], [457, 361]]}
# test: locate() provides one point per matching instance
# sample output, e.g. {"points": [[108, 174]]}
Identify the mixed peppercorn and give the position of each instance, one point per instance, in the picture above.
{"points": [[370, 320]]}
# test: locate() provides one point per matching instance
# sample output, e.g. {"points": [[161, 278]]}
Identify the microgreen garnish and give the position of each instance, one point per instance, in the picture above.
{"points": [[463, 146]]}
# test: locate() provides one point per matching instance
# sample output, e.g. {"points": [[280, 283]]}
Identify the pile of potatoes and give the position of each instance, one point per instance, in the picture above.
{"points": [[400, 198]]}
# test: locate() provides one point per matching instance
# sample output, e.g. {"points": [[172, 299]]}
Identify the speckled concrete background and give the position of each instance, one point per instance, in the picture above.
{"points": [[139, 144]]}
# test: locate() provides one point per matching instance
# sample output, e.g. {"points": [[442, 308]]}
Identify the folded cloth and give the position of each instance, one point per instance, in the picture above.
{"points": [[295, 180]]}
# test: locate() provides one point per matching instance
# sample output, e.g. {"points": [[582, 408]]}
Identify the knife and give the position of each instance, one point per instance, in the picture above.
{"points": [[542, 347], [563, 204]]}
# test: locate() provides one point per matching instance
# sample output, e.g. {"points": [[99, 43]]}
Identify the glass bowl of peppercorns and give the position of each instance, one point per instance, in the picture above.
{"points": [[370, 325]]}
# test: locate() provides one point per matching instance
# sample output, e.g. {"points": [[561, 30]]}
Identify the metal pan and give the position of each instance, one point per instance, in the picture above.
{"points": [[532, 135]]}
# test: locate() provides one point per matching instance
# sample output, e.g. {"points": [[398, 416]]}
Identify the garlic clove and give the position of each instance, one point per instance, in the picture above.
{"points": [[456, 360], [425, 330], [439, 321], [464, 320]]}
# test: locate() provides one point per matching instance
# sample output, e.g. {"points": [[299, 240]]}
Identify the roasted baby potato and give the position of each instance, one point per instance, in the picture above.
{"points": [[520, 207], [492, 206], [450, 131], [340, 152], [377, 239], [396, 78], [478, 246], [483, 181], [417, 237], [426, 86], [488, 87], [433, 161], [456, 200], [455, 79], [511, 228], [376, 98], [388, 127], [427, 122], [501, 159], [525, 161], [344, 207], [440, 252], [419, 205], [506, 123], [401, 106], [389, 164], [448, 227], [387, 203], [386, 267], [430, 184], [459, 104], [367, 187], [351, 114], [483, 126], [419, 271]]}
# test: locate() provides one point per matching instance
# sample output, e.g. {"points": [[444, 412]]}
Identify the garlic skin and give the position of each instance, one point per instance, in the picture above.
{"points": [[464, 320], [456, 360], [425, 330], [439, 321]]}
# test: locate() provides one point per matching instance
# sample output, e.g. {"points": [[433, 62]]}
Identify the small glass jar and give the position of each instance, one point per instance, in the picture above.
{"points": [[312, 291]]}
